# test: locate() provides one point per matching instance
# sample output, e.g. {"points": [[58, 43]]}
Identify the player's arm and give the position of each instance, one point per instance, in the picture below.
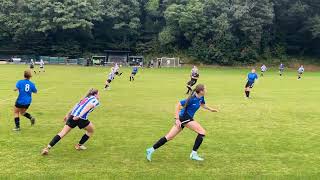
{"points": [[17, 87], [178, 108], [67, 115], [204, 106]]}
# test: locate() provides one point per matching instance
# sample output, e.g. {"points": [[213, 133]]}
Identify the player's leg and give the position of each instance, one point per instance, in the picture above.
{"points": [[27, 115], [16, 119], [189, 86], [107, 84], [247, 90], [175, 130], [195, 126], [89, 132], [66, 129]]}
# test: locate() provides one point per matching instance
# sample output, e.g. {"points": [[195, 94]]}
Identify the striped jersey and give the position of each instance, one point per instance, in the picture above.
{"points": [[264, 68], [41, 63], [194, 72], [281, 66], [301, 70], [111, 75], [78, 108], [116, 68]]}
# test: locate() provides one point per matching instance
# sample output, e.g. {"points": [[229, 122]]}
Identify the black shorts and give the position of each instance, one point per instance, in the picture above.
{"points": [[249, 84], [133, 73], [192, 82], [81, 123], [109, 80], [31, 66], [116, 73], [17, 105], [185, 119], [41, 67]]}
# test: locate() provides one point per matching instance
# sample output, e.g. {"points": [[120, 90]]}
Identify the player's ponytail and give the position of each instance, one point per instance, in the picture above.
{"points": [[196, 90], [92, 92]]}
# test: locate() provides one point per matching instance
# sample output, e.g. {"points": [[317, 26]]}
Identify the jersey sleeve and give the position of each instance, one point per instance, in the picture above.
{"points": [[95, 102], [183, 102], [18, 85], [203, 101], [34, 89]]}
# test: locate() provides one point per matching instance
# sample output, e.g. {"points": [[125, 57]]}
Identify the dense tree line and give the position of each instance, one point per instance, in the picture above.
{"points": [[211, 31]]}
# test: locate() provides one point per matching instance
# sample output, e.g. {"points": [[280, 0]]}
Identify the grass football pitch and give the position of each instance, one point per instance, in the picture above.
{"points": [[273, 135]]}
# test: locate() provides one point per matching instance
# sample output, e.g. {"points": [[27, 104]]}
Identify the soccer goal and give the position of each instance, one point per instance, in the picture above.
{"points": [[168, 62]]}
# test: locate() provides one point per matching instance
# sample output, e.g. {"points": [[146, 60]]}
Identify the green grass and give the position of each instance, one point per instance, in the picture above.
{"points": [[274, 135]]}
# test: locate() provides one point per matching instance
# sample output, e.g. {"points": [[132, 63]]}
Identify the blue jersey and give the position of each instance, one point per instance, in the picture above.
{"points": [[26, 88], [135, 69], [252, 77], [78, 108], [192, 107]]}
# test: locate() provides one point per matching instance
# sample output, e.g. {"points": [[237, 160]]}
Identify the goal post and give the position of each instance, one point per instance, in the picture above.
{"points": [[169, 62]]}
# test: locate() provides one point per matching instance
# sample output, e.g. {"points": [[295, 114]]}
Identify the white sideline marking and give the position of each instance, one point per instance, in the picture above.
{"points": [[47, 89]]}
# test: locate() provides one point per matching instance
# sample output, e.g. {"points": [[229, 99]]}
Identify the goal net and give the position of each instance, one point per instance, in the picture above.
{"points": [[168, 62]]}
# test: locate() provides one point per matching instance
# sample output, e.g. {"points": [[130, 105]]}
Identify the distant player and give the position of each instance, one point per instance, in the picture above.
{"points": [[42, 66], [109, 80], [116, 70], [251, 79], [184, 114], [78, 116], [32, 64], [134, 72], [300, 72], [194, 78], [281, 69], [23, 102], [263, 69]]}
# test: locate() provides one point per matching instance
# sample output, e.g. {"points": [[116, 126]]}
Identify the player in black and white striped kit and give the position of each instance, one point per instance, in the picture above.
{"points": [[194, 78], [111, 76], [41, 66]]}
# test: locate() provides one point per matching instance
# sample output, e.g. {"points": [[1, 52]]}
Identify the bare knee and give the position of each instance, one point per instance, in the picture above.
{"points": [[202, 132], [90, 130], [168, 137]]}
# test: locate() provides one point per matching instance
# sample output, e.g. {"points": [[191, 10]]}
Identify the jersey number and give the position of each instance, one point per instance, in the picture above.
{"points": [[27, 88]]}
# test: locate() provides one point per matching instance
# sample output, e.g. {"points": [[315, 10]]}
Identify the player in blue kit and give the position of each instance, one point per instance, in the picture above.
{"points": [[23, 102], [185, 111], [78, 116], [134, 72], [251, 79]]}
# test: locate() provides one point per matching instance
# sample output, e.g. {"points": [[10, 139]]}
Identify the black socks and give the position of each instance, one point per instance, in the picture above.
{"points": [[106, 86], [189, 90], [55, 140], [84, 139], [17, 122], [161, 142], [27, 115], [247, 93], [198, 142]]}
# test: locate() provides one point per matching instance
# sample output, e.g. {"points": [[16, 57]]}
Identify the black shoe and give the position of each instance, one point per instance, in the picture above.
{"points": [[33, 121]]}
